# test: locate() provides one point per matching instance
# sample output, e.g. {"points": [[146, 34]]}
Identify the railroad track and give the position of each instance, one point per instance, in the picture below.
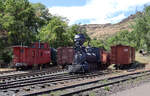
{"points": [[27, 74], [34, 80], [21, 86], [42, 79], [77, 87]]}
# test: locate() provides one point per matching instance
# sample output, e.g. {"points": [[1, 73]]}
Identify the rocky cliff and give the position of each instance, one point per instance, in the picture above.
{"points": [[101, 31]]}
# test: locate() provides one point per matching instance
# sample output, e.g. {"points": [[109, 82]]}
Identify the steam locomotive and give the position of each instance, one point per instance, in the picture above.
{"points": [[86, 59]]}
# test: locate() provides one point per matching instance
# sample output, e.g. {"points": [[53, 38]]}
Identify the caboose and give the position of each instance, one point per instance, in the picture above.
{"points": [[35, 55]]}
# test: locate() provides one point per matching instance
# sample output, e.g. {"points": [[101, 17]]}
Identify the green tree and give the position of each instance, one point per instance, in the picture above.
{"points": [[141, 29], [58, 33], [42, 14], [54, 32], [41, 11], [18, 19], [18, 23]]}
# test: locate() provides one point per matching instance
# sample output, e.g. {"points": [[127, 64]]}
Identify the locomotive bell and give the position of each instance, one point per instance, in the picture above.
{"points": [[79, 38]]}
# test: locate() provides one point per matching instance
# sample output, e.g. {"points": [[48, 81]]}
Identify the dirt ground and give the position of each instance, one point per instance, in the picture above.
{"points": [[142, 90], [145, 60]]}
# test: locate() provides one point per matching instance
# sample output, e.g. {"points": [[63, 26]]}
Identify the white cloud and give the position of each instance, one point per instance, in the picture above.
{"points": [[98, 11]]}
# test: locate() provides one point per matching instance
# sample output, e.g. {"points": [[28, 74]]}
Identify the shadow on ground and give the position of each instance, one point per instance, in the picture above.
{"points": [[138, 65]]}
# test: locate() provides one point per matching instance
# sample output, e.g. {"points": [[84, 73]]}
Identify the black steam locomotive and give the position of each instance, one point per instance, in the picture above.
{"points": [[86, 59]]}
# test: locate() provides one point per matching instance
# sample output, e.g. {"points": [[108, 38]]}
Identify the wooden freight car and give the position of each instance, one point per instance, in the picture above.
{"points": [[65, 56], [34, 55], [122, 56]]}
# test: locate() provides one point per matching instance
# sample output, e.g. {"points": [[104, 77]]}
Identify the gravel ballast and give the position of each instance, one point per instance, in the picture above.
{"points": [[113, 89]]}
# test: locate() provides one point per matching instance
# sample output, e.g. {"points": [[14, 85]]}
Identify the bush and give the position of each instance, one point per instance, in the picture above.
{"points": [[6, 55]]}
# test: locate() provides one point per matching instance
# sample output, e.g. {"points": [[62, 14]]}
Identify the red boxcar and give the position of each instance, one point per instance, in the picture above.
{"points": [[37, 53], [65, 56], [122, 55]]}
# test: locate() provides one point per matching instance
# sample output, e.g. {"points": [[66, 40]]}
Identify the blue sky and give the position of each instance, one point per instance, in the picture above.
{"points": [[93, 11], [50, 3]]}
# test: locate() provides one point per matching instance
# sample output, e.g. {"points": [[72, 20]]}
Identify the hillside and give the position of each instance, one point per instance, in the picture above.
{"points": [[101, 31]]}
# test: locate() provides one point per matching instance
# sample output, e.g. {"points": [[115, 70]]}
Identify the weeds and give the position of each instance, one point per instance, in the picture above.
{"points": [[57, 93], [92, 94], [107, 88], [105, 81]]}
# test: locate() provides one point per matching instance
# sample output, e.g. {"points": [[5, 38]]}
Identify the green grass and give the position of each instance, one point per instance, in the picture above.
{"points": [[92, 94], [105, 81], [57, 93], [107, 88]]}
